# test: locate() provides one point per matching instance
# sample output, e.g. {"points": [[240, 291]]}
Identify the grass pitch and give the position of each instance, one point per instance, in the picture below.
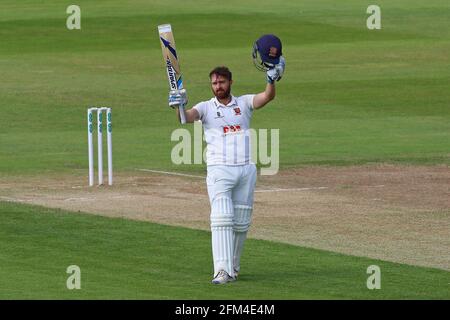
{"points": [[124, 259]]}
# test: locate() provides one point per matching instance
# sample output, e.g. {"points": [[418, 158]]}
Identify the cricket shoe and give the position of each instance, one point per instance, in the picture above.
{"points": [[222, 278]]}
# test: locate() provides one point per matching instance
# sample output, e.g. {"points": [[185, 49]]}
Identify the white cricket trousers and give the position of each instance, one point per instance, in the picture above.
{"points": [[235, 182], [230, 190]]}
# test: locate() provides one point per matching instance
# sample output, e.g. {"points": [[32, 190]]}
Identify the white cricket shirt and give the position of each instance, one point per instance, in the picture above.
{"points": [[227, 130]]}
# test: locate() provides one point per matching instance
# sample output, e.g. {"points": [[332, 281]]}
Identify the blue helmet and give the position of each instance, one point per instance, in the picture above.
{"points": [[267, 51]]}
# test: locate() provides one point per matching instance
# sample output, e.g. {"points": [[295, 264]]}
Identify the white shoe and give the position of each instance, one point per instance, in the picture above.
{"points": [[222, 278]]}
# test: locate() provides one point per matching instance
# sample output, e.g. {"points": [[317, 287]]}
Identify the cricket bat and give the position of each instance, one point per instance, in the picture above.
{"points": [[171, 62]]}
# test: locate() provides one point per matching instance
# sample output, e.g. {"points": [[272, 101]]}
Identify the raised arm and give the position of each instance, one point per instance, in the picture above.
{"points": [[191, 115], [261, 99], [274, 74]]}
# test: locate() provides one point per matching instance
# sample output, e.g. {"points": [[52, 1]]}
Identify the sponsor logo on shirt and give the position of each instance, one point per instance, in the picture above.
{"points": [[231, 129]]}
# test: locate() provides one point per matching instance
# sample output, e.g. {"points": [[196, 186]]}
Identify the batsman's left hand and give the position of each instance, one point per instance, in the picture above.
{"points": [[276, 72]]}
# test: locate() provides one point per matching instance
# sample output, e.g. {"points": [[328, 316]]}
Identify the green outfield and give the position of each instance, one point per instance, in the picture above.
{"points": [[349, 96], [124, 259]]}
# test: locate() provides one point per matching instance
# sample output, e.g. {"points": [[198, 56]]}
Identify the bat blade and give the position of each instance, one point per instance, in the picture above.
{"points": [[172, 64]]}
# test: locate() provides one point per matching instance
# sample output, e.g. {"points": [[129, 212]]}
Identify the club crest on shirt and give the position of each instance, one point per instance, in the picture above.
{"points": [[219, 115], [237, 111]]}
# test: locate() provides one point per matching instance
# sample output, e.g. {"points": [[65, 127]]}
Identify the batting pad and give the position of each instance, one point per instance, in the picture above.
{"points": [[241, 224], [222, 235], [242, 218]]}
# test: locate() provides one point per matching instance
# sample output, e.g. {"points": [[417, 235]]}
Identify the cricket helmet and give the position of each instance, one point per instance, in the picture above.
{"points": [[267, 52]]}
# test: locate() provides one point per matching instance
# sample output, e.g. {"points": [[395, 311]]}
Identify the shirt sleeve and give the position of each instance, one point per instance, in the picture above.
{"points": [[201, 109], [248, 100]]}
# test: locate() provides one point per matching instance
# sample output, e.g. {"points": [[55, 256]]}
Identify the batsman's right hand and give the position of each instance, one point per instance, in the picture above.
{"points": [[177, 97]]}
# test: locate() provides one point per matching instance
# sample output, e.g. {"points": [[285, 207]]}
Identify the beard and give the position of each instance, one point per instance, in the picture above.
{"points": [[222, 94]]}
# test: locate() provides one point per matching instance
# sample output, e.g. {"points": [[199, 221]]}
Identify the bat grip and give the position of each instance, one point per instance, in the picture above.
{"points": [[182, 115]]}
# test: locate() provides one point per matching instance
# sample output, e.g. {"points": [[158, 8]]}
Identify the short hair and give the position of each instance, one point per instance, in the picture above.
{"points": [[221, 71]]}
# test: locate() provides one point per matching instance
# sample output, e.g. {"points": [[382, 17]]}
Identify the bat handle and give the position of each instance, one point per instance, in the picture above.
{"points": [[182, 115]]}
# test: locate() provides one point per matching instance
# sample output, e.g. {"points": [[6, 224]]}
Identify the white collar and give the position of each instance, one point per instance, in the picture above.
{"points": [[233, 102]]}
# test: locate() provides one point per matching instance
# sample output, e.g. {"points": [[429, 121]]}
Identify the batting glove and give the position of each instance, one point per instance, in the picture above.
{"points": [[276, 72], [177, 97]]}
